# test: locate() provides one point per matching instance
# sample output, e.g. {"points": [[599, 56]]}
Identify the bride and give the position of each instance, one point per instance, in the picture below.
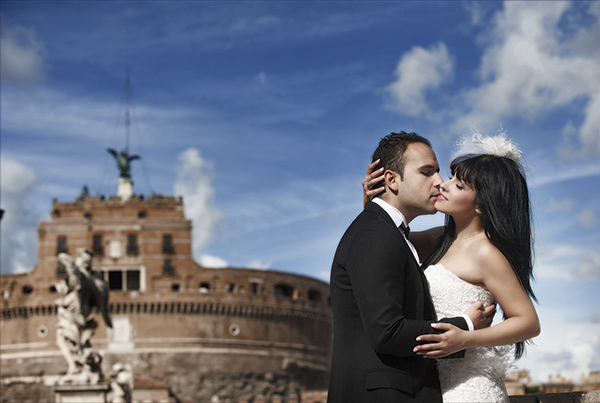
{"points": [[483, 253]]}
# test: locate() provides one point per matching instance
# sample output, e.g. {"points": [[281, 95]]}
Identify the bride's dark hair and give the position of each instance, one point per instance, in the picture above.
{"points": [[503, 198]]}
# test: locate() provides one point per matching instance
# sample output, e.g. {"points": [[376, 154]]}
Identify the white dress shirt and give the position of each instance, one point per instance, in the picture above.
{"points": [[398, 219]]}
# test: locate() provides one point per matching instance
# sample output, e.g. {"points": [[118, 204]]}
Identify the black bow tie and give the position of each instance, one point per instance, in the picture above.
{"points": [[405, 229]]}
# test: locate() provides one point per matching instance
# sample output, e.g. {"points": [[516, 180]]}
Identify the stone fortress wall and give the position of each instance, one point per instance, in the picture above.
{"points": [[203, 333]]}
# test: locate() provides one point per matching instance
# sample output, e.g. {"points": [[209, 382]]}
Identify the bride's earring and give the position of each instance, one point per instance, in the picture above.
{"points": [[477, 210]]}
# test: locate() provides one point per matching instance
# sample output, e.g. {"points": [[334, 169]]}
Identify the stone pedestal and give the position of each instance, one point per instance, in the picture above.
{"points": [[125, 189], [81, 393]]}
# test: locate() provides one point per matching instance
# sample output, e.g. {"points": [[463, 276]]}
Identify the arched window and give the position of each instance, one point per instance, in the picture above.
{"points": [[314, 295], [283, 291]]}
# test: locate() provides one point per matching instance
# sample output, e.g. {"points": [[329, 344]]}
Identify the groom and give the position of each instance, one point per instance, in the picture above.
{"points": [[379, 295]]}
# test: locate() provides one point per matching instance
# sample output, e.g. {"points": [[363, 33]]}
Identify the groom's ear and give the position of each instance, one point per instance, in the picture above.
{"points": [[392, 180]]}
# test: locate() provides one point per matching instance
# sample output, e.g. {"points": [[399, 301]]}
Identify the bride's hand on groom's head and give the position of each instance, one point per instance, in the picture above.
{"points": [[480, 315], [372, 178]]}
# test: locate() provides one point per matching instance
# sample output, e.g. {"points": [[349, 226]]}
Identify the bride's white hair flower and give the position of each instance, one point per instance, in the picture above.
{"points": [[479, 144]]}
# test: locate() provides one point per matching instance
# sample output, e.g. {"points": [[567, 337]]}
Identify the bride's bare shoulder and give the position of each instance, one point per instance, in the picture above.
{"points": [[489, 258]]}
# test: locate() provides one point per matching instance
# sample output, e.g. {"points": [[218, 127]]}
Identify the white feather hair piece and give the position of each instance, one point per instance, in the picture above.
{"points": [[479, 144]]}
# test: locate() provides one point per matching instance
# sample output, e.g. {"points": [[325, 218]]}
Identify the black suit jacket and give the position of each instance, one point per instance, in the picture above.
{"points": [[381, 303]]}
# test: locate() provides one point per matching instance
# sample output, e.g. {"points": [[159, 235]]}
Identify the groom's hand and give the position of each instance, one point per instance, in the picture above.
{"points": [[480, 315], [452, 340]]}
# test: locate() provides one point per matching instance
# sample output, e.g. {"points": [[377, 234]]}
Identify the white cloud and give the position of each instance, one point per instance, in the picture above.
{"points": [[258, 264], [532, 65], [262, 78], [565, 347], [476, 11], [18, 236], [590, 129], [21, 57], [194, 183], [566, 262], [587, 218], [588, 266], [551, 172], [213, 262], [63, 116], [564, 205], [420, 70], [555, 261]]}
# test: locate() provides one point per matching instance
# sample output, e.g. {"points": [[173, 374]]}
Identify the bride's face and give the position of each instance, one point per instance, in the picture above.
{"points": [[456, 198]]}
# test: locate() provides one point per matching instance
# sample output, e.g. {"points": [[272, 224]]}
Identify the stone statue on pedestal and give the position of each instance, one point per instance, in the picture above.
{"points": [[85, 293], [121, 383]]}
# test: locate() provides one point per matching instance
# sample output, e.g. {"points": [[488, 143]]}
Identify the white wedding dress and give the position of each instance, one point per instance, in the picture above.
{"points": [[479, 376]]}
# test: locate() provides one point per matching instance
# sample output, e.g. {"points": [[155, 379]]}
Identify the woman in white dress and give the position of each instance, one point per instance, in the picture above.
{"points": [[483, 253]]}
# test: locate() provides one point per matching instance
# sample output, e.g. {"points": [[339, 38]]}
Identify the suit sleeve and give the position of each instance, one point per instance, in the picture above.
{"points": [[459, 322], [382, 282]]}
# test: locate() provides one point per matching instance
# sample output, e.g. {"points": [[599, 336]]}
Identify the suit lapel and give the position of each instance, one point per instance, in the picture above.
{"points": [[424, 285]]}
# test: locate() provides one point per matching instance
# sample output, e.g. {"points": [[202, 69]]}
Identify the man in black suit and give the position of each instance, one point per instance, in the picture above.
{"points": [[379, 295]]}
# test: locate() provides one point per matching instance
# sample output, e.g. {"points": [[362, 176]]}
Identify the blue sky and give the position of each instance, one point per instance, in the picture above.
{"points": [[263, 115]]}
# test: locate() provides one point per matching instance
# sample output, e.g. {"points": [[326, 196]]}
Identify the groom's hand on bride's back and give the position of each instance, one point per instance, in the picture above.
{"points": [[449, 339], [480, 315]]}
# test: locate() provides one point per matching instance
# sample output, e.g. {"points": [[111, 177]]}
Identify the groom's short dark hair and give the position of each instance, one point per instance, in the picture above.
{"points": [[390, 151]]}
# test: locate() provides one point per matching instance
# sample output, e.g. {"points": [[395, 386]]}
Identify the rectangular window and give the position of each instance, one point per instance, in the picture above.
{"points": [[133, 280], [168, 244], [61, 244], [168, 269], [97, 247], [132, 246], [61, 270], [115, 280]]}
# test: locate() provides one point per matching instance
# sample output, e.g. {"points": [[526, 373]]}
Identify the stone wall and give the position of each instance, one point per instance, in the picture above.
{"points": [[571, 397]]}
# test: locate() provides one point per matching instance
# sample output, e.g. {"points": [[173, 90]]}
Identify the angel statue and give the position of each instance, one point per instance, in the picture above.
{"points": [[85, 293], [124, 162]]}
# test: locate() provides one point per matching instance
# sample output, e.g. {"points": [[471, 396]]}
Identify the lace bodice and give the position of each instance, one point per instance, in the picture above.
{"points": [[479, 376]]}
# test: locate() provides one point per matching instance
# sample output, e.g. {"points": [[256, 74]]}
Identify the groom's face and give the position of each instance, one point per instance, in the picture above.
{"points": [[419, 188]]}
